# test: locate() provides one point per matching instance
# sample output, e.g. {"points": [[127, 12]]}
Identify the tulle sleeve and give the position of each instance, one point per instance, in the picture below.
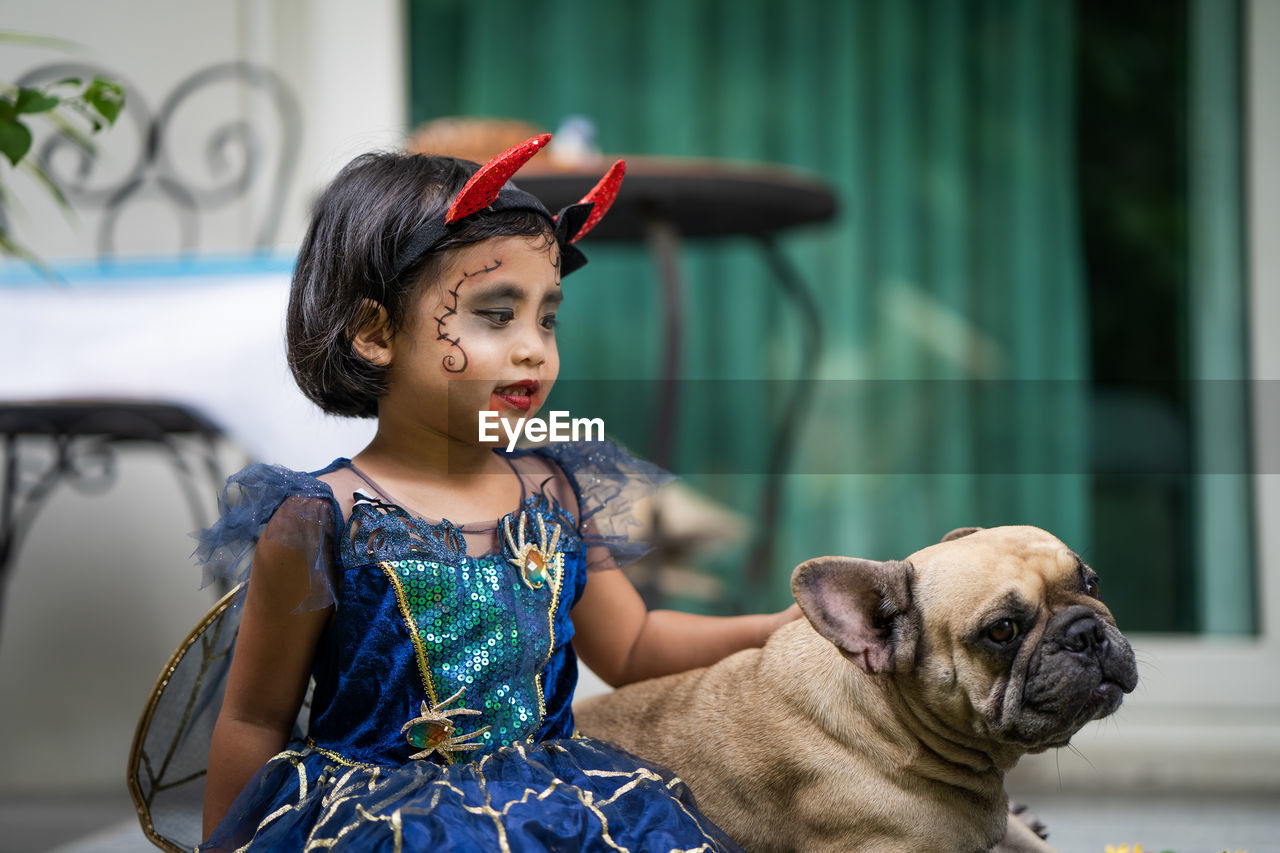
{"points": [[286, 507], [613, 489]]}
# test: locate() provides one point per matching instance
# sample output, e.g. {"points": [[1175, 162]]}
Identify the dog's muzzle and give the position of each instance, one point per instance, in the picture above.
{"points": [[1080, 671]]}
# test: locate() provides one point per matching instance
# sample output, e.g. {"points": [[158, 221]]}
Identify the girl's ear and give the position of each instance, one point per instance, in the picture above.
{"points": [[372, 338]]}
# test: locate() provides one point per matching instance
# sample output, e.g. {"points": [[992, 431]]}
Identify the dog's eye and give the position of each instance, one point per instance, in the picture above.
{"points": [[1091, 587], [1003, 631]]}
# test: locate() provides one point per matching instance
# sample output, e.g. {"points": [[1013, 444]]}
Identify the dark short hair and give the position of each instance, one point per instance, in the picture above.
{"points": [[349, 255]]}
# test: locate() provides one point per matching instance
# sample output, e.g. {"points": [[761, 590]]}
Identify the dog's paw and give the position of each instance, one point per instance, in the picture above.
{"points": [[1020, 812]]}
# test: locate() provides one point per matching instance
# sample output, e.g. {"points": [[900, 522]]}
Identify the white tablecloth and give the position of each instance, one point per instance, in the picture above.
{"points": [[213, 341]]}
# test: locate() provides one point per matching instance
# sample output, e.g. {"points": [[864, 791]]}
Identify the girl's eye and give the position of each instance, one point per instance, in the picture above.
{"points": [[498, 316], [549, 321], [1003, 631]]}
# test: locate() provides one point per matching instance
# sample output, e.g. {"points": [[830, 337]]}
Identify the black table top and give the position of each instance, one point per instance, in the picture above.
{"points": [[699, 198], [119, 420]]}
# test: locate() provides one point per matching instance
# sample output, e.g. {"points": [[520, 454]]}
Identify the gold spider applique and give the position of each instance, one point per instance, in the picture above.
{"points": [[432, 731], [534, 561]]}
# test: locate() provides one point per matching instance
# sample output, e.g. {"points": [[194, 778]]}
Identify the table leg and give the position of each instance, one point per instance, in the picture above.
{"points": [[760, 564], [21, 502], [664, 243], [7, 505]]}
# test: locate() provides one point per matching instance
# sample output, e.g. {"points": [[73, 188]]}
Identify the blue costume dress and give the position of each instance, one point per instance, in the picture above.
{"points": [[440, 715]]}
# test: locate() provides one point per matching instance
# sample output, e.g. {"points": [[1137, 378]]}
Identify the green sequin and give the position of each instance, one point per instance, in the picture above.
{"points": [[479, 626]]}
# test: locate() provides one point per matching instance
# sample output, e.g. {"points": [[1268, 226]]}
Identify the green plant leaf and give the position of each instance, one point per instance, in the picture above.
{"points": [[15, 139], [70, 131], [32, 40], [35, 101], [105, 96], [98, 104]]}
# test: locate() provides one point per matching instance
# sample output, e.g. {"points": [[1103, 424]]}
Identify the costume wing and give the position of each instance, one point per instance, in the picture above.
{"points": [[170, 753]]}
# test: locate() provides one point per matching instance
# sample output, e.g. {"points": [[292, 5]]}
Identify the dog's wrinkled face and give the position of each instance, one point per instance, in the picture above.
{"points": [[1000, 633]]}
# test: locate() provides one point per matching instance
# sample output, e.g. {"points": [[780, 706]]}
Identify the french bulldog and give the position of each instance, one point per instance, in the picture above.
{"points": [[887, 718]]}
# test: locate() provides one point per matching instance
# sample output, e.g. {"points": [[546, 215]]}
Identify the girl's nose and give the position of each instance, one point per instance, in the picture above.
{"points": [[531, 346]]}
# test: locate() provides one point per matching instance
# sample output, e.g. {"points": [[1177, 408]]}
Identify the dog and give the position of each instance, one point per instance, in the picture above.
{"points": [[887, 718]]}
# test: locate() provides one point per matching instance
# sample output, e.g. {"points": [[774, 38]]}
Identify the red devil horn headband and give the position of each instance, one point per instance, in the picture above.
{"points": [[483, 188], [601, 198], [486, 184], [488, 189]]}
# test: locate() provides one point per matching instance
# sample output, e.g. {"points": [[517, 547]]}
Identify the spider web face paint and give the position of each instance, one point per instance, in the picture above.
{"points": [[450, 360]]}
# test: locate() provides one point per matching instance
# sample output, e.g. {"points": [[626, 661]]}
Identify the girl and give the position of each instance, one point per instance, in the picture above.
{"points": [[443, 653]]}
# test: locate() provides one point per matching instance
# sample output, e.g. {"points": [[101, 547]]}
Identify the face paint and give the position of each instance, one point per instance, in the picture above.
{"points": [[450, 360], [481, 338]]}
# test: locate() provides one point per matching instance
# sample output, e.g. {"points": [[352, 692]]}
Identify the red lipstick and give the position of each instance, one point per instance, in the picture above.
{"points": [[517, 395]]}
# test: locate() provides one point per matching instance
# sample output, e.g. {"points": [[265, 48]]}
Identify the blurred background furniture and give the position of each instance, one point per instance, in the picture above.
{"points": [[75, 443]]}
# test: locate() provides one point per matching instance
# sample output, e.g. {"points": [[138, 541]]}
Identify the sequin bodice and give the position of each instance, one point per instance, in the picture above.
{"points": [[418, 620]]}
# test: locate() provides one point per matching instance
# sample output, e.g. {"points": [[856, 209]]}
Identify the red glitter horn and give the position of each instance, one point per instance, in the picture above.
{"points": [[602, 196], [484, 186]]}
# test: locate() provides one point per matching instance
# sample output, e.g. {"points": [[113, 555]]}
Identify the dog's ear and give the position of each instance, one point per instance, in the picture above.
{"points": [[960, 532], [857, 605]]}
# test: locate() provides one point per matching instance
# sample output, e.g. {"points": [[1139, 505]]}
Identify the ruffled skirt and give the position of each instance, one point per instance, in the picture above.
{"points": [[571, 795]]}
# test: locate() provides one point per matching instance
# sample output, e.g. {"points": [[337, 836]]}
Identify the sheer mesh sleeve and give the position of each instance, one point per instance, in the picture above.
{"points": [[613, 489], [286, 507]]}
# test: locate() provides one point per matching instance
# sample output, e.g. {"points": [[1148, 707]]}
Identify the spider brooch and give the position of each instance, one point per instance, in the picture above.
{"points": [[533, 561], [433, 731]]}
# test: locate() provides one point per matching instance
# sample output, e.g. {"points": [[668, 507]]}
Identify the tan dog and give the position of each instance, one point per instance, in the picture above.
{"points": [[886, 721]]}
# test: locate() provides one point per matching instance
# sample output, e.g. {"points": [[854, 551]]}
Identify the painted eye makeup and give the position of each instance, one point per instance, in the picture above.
{"points": [[496, 316]]}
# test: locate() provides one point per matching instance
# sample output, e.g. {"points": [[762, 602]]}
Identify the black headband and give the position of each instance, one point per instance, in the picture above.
{"points": [[427, 236]]}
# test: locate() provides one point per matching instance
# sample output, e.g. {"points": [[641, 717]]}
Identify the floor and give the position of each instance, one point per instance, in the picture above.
{"points": [[1185, 823], [1078, 823]]}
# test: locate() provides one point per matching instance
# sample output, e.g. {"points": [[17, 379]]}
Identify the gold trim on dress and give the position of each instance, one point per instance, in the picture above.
{"points": [[556, 581], [539, 565], [361, 781], [424, 669], [336, 756]]}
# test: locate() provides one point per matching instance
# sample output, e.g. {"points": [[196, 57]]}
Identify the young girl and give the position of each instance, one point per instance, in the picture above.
{"points": [[443, 653]]}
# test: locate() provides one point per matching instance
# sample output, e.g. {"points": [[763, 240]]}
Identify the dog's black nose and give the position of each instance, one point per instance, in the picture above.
{"points": [[1085, 635]]}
